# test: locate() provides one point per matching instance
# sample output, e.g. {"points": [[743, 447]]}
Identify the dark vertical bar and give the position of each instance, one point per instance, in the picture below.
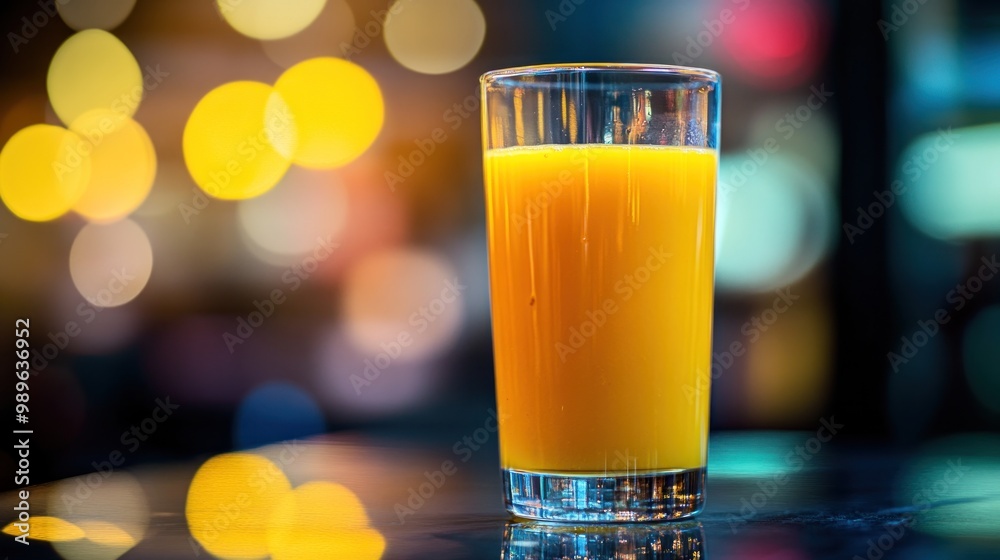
{"points": [[864, 323]]}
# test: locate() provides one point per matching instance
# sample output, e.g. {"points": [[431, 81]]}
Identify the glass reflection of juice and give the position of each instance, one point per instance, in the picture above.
{"points": [[601, 272]]}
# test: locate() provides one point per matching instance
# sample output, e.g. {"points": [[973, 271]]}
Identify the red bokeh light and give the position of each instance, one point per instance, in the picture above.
{"points": [[776, 43]]}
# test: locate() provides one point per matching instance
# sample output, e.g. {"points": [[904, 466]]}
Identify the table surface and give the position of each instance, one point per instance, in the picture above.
{"points": [[839, 501]]}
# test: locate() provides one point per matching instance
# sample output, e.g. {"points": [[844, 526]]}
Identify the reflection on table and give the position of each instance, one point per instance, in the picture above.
{"points": [[368, 496]]}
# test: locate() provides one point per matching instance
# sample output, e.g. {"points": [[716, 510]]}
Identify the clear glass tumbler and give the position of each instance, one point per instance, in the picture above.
{"points": [[600, 206]]}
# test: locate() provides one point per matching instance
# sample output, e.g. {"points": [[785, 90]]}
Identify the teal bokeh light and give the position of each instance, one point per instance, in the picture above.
{"points": [[949, 177]]}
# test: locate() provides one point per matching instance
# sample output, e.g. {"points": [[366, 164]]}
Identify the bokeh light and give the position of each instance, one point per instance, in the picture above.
{"points": [[403, 298], [788, 366], [289, 220], [779, 544], [982, 370], [239, 140], [93, 70], [107, 534], [759, 227], [275, 412], [46, 528], [96, 502], [111, 263], [269, 19], [230, 501], [774, 43], [355, 384], [750, 454], [775, 222], [333, 28], [321, 520], [435, 36], [952, 485], [122, 165], [945, 176], [377, 218], [94, 14], [43, 172], [338, 107]]}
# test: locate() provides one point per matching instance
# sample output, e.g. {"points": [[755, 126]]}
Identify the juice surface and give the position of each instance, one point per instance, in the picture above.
{"points": [[601, 278]]}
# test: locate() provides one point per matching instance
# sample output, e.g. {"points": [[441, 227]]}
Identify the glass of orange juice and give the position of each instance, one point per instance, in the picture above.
{"points": [[600, 209]]}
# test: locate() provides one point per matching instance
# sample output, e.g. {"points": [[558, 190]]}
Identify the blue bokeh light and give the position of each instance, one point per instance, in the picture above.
{"points": [[275, 412]]}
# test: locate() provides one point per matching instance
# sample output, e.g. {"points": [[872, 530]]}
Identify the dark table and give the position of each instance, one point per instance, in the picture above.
{"points": [[773, 495]]}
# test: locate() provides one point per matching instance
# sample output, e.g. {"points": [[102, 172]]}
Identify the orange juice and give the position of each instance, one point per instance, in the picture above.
{"points": [[601, 278]]}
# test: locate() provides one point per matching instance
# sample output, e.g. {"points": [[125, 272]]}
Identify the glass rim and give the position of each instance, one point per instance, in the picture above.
{"points": [[607, 67]]}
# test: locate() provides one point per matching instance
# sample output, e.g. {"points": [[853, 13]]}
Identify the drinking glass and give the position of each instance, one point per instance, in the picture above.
{"points": [[600, 207]]}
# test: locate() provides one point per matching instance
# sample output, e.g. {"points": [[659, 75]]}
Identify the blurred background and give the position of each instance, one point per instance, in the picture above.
{"points": [[166, 248]]}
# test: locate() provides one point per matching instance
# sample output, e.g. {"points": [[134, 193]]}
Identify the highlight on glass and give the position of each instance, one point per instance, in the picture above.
{"points": [[600, 203]]}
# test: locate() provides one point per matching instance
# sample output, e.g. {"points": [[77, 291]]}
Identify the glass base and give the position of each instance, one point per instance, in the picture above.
{"points": [[654, 496]]}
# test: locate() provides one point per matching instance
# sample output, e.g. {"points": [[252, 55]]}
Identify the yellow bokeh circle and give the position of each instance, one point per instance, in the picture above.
{"points": [[44, 170], [111, 509], [122, 165], [46, 528], [93, 70], [270, 19], [239, 140], [338, 108], [435, 36], [230, 502], [321, 520]]}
